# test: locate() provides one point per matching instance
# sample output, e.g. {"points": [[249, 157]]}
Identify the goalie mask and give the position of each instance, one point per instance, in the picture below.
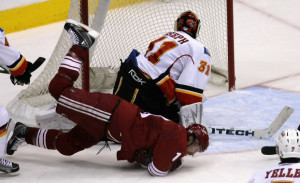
{"points": [[288, 144], [188, 22], [200, 134]]}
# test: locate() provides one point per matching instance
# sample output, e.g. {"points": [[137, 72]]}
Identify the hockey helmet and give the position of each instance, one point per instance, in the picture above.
{"points": [[288, 144], [200, 134], [188, 22]]}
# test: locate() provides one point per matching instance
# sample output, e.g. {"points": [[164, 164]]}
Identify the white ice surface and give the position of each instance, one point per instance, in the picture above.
{"points": [[267, 44]]}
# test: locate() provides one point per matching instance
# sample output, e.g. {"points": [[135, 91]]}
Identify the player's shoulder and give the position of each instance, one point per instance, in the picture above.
{"points": [[175, 129], [196, 45], [177, 135], [181, 135]]}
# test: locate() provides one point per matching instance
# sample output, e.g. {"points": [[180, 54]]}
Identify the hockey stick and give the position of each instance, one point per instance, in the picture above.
{"points": [[271, 150], [38, 62], [285, 113], [35, 65], [4, 70], [258, 133]]}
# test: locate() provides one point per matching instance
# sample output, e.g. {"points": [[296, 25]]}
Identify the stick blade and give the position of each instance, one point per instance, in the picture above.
{"points": [[268, 150], [285, 113], [37, 63]]}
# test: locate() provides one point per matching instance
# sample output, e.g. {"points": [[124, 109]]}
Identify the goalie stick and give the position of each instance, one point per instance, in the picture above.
{"points": [[193, 114], [35, 65], [271, 150], [285, 113], [281, 118]]}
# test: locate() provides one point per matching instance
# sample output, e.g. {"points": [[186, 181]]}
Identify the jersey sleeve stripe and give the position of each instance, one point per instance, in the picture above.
{"points": [[188, 88], [18, 67], [167, 86], [188, 95], [188, 92], [186, 99], [162, 80], [154, 171], [3, 130]]}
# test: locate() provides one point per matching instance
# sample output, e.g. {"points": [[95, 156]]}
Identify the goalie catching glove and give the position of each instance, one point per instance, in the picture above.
{"points": [[24, 78], [176, 164]]}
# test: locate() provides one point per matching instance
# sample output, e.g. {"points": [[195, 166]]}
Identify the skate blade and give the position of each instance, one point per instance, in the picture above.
{"points": [[91, 31], [2, 174]]}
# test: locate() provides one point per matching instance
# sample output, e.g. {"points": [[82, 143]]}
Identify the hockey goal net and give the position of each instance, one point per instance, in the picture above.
{"points": [[124, 25]]}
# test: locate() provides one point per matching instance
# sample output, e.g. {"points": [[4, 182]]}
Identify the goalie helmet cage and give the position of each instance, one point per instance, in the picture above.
{"points": [[124, 25]]}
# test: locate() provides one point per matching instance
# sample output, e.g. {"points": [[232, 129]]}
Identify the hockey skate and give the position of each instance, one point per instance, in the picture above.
{"points": [[81, 34], [8, 168], [17, 138]]}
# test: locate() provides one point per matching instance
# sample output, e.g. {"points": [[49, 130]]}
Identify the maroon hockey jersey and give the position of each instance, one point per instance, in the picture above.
{"points": [[166, 140]]}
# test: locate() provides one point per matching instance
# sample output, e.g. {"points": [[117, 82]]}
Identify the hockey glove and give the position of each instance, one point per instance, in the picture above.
{"points": [[143, 157], [176, 165], [24, 78]]}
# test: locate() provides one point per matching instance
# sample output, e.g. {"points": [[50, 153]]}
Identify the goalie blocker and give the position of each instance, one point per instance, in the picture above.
{"points": [[192, 113]]}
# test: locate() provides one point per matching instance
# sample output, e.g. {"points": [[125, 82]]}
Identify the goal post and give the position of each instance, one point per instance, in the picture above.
{"points": [[125, 25], [84, 9], [230, 37]]}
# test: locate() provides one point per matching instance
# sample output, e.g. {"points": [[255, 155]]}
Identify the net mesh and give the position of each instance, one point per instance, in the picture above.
{"points": [[129, 24]]}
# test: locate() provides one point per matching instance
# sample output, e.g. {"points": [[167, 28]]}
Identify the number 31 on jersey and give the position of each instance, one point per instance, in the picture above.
{"points": [[204, 67]]}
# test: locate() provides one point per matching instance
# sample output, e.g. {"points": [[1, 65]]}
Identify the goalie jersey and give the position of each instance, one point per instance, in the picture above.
{"points": [[11, 57], [282, 173], [180, 66]]}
